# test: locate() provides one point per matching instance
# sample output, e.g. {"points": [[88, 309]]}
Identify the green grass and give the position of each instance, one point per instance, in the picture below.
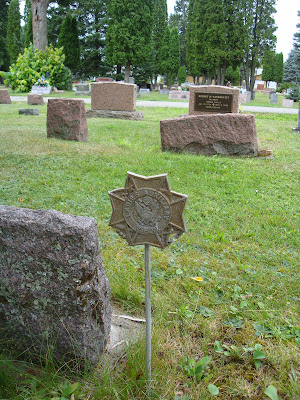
{"points": [[242, 239]]}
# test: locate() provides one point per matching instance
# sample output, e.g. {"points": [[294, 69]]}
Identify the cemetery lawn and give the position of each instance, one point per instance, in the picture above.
{"points": [[242, 241]]}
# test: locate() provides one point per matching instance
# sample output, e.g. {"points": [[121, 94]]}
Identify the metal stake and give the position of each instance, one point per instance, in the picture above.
{"points": [[148, 315]]}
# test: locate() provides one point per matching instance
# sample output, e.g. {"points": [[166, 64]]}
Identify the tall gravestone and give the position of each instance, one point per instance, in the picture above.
{"points": [[54, 294], [66, 119]]}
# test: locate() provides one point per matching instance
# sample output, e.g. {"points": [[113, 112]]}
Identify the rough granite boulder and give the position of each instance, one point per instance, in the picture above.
{"points": [[4, 97], [35, 99], [66, 119], [54, 294], [228, 134]]}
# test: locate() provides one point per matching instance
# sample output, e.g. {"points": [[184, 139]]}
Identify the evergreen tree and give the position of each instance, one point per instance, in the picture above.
{"points": [[260, 28], [160, 21], [181, 75], [278, 68], [128, 39], [291, 71], [13, 36], [4, 59], [28, 31], [268, 66], [179, 19], [68, 39], [164, 52], [297, 40], [174, 54]]}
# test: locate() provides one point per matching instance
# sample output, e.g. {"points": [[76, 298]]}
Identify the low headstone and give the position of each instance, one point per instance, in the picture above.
{"points": [[104, 79], [164, 91], [227, 134], [243, 98], [4, 97], [213, 99], [66, 119], [260, 86], [144, 91], [273, 98], [54, 291], [82, 89], [179, 95], [267, 90], [35, 99], [29, 111], [41, 89], [130, 115], [287, 103]]}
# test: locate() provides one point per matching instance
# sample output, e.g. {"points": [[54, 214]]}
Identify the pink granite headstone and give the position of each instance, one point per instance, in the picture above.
{"points": [[287, 103], [227, 134], [66, 119], [4, 97], [213, 99], [114, 96]]}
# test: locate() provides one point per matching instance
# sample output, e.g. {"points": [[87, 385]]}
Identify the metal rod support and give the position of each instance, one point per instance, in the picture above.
{"points": [[148, 315]]}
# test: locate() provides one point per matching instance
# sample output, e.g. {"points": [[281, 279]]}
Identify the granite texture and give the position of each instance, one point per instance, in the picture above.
{"points": [[66, 119], [179, 95], [35, 99], [4, 97], [54, 294], [213, 89], [131, 115], [113, 96], [228, 134]]}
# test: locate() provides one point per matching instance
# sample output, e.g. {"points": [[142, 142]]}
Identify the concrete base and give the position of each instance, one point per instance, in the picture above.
{"points": [[124, 330], [82, 93], [132, 115]]}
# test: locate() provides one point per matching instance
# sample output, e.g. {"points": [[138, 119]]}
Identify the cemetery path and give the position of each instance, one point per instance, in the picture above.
{"points": [[181, 104]]}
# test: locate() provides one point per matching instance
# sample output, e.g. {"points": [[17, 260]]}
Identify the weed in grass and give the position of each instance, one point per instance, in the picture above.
{"points": [[242, 240]]}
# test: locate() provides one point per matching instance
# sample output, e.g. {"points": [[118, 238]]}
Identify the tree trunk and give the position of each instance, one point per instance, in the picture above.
{"points": [[127, 72], [252, 77], [219, 75], [223, 73], [39, 23]]}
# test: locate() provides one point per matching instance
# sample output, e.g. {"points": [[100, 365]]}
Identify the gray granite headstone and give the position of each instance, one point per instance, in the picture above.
{"points": [[29, 111], [54, 294], [273, 98]]}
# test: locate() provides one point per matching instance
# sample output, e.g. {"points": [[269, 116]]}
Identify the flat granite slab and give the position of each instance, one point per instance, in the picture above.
{"points": [[132, 115], [29, 111]]}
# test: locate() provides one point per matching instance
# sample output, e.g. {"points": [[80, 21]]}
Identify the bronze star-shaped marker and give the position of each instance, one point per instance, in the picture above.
{"points": [[146, 211]]}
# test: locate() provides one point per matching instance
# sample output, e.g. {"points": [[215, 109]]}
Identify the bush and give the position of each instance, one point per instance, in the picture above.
{"points": [[283, 86], [31, 65], [294, 93], [181, 75]]}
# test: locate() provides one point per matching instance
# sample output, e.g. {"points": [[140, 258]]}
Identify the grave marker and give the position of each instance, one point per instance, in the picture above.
{"points": [[146, 212]]}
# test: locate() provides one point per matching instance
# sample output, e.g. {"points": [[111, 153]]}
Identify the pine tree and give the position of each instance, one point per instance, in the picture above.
{"points": [[13, 36], [174, 54], [278, 68], [28, 31], [160, 21], [179, 19], [128, 39], [268, 66], [297, 40], [4, 59], [292, 68], [68, 39]]}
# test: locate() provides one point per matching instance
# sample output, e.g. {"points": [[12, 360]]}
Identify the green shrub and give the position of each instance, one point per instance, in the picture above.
{"points": [[181, 75], [283, 86], [31, 65], [294, 93]]}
